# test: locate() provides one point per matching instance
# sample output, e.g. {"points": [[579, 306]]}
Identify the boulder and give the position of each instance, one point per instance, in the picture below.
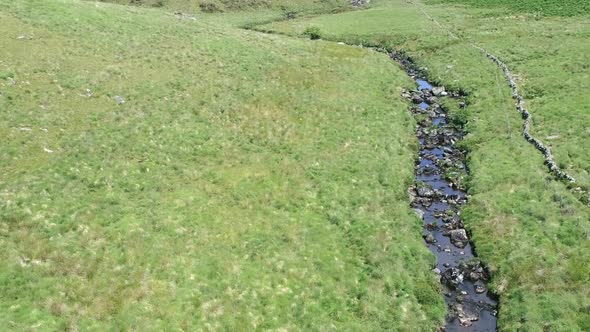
{"points": [[425, 192], [466, 318], [439, 91], [459, 237]]}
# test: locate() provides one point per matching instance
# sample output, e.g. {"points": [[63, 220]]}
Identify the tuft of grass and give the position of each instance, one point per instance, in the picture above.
{"points": [[6, 75], [312, 33]]}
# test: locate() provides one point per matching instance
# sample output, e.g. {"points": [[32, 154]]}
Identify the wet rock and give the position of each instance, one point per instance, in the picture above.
{"points": [[452, 277], [432, 100], [452, 226], [425, 92], [466, 317], [430, 156], [427, 170], [439, 91], [417, 98], [425, 202], [448, 218], [475, 273], [429, 239], [425, 192], [450, 222], [459, 237], [480, 289]]}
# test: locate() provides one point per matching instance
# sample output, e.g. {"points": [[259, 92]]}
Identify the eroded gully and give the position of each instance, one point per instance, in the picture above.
{"points": [[437, 197]]}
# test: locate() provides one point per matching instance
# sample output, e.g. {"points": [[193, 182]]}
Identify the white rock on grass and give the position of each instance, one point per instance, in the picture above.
{"points": [[120, 100]]}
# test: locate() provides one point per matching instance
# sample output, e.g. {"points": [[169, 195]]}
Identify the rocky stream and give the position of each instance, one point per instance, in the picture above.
{"points": [[437, 197]]}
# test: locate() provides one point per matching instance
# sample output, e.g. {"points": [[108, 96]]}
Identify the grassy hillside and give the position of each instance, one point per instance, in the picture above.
{"points": [[532, 231], [215, 6], [171, 174], [539, 7]]}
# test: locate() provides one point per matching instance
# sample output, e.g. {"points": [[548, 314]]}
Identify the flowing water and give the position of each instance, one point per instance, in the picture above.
{"points": [[437, 198]]}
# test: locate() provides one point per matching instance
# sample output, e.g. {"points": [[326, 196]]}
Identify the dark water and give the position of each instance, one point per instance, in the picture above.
{"points": [[471, 308]]}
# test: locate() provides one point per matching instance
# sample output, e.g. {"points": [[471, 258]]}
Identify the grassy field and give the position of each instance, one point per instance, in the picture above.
{"points": [[258, 182], [219, 6], [531, 230], [537, 7], [169, 174]]}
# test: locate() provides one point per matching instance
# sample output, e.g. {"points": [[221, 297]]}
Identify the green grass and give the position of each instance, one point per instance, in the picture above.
{"points": [[255, 181], [531, 230], [539, 7], [249, 181], [216, 6]]}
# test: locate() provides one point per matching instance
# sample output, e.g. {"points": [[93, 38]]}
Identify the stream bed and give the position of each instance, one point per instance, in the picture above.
{"points": [[437, 197]]}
